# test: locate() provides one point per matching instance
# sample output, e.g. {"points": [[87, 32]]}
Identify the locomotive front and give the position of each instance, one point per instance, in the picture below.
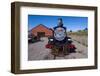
{"points": [[60, 44]]}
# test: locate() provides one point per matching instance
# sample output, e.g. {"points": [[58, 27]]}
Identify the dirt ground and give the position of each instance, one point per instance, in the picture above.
{"points": [[37, 51]]}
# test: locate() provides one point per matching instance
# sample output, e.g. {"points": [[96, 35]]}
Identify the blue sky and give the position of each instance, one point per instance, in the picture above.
{"points": [[71, 22]]}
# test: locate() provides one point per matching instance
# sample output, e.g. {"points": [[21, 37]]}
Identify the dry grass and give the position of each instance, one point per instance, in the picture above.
{"points": [[80, 37]]}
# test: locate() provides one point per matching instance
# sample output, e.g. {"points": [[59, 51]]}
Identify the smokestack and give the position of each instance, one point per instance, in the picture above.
{"points": [[60, 22]]}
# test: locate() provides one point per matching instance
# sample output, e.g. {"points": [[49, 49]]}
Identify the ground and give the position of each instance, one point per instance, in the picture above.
{"points": [[37, 51]]}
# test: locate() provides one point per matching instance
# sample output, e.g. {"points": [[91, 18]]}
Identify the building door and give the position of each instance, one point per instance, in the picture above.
{"points": [[41, 34]]}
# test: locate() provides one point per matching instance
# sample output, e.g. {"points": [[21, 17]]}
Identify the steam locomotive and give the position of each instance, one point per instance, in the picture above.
{"points": [[60, 44]]}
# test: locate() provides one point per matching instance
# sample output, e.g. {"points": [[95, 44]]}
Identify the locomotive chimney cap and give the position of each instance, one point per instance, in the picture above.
{"points": [[60, 22], [60, 19]]}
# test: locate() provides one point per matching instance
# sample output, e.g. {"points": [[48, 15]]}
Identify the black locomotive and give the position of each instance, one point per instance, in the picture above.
{"points": [[60, 44]]}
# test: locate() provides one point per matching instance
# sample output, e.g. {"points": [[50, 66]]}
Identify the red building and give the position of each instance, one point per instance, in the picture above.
{"points": [[42, 31]]}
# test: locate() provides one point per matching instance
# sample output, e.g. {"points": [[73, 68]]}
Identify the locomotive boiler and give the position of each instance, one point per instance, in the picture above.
{"points": [[60, 44]]}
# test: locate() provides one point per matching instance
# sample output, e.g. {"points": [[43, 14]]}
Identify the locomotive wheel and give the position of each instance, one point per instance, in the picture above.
{"points": [[60, 52], [54, 51], [65, 50]]}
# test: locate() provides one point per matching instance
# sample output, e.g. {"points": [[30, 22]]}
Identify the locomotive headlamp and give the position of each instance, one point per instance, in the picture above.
{"points": [[51, 39], [69, 39]]}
